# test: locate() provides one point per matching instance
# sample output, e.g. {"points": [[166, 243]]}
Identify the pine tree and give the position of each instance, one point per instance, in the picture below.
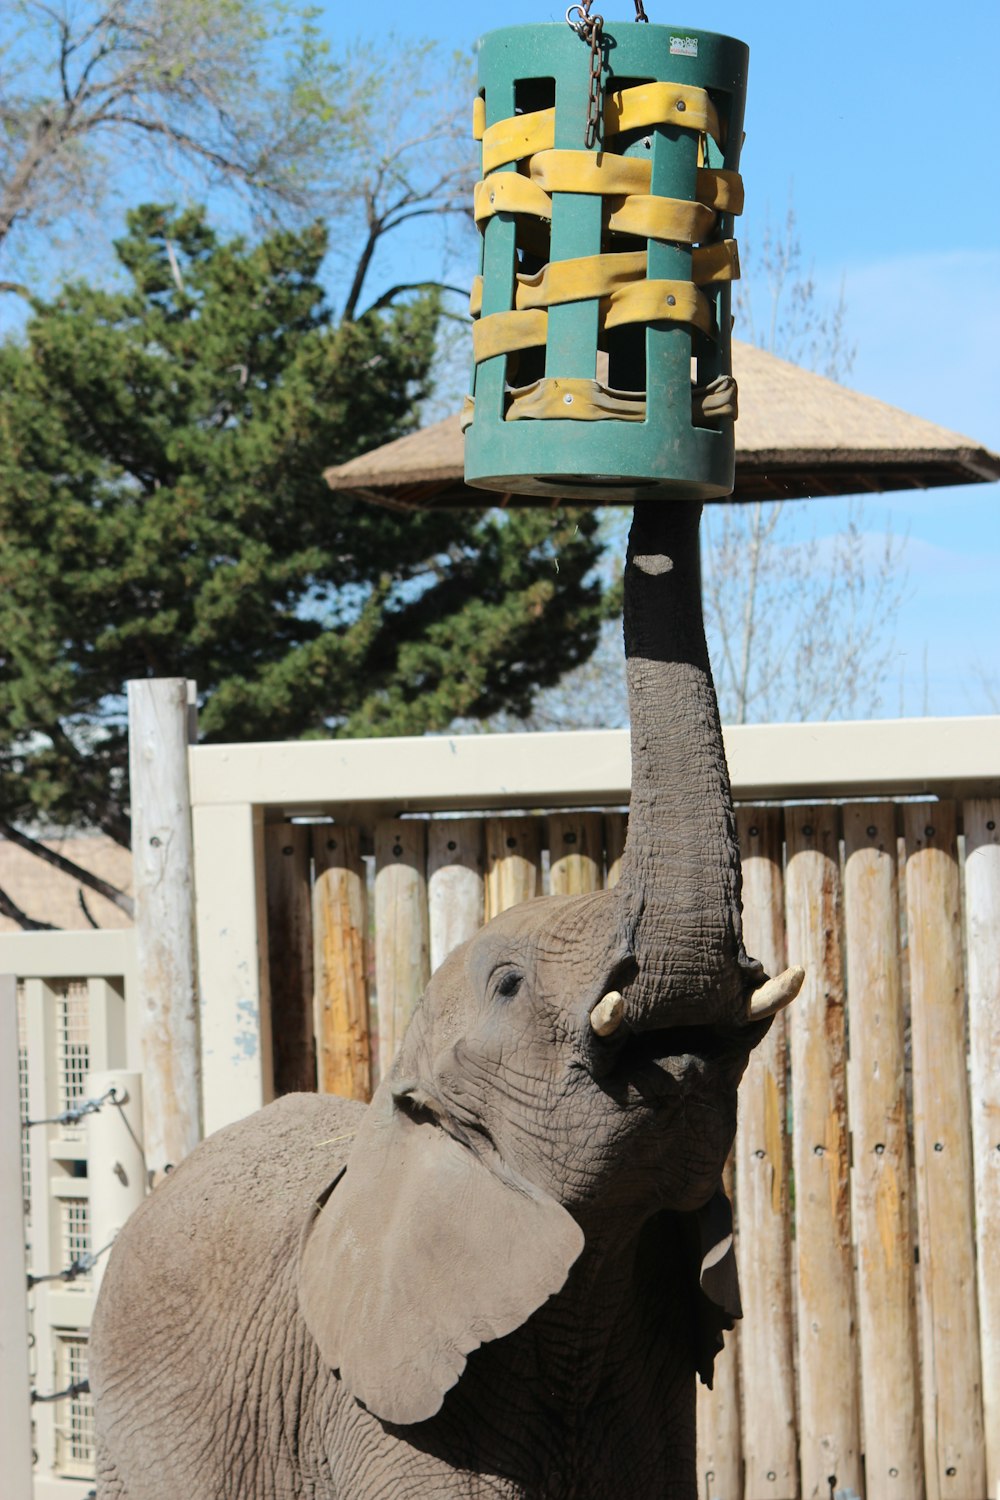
{"points": [[163, 513]]}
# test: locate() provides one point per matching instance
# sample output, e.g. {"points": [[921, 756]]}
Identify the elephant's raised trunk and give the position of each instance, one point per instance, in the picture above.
{"points": [[681, 874]]}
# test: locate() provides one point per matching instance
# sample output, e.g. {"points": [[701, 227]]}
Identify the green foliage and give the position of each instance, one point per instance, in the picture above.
{"points": [[163, 513]]}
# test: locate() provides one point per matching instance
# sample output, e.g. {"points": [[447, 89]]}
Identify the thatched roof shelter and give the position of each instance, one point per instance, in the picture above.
{"points": [[798, 435]]}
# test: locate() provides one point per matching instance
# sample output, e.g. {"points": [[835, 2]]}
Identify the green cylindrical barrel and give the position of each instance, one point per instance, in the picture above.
{"points": [[602, 336]]}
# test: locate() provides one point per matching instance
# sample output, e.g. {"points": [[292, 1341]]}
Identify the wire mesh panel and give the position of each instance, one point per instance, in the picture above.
{"points": [[75, 1235], [72, 1049], [22, 1096], [75, 1427]]}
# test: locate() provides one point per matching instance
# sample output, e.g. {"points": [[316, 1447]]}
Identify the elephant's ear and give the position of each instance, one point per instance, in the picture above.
{"points": [[419, 1254], [718, 1282]]}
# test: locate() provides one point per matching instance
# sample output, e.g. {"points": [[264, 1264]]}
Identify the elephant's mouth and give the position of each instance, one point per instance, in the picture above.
{"points": [[659, 1064]]}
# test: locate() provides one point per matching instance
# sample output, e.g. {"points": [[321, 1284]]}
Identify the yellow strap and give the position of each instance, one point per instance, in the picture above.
{"points": [[657, 302], [581, 172], [637, 108], [468, 413], [503, 333], [722, 191], [575, 401], [510, 193], [518, 136], [580, 279], [652, 218], [716, 401], [661, 104], [478, 117], [712, 265]]}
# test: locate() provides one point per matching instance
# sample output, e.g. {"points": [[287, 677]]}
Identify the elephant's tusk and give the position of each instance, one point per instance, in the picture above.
{"points": [[606, 1016], [776, 994]]}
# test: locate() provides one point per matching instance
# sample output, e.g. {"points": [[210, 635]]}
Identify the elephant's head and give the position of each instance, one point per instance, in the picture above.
{"points": [[571, 1071]]}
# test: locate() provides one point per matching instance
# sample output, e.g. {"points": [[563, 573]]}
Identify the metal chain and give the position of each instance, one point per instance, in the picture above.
{"points": [[591, 30]]}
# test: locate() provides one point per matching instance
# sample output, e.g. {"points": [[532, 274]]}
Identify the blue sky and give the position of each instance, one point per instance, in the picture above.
{"points": [[880, 121]]}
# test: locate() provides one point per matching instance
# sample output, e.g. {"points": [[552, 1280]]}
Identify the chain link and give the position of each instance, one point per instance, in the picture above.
{"points": [[590, 29]]}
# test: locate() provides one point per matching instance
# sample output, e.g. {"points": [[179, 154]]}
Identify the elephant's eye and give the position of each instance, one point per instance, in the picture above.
{"points": [[509, 984]]}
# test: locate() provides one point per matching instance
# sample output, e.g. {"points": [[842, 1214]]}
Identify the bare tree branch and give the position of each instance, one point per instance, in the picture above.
{"points": [[9, 908], [68, 867]]}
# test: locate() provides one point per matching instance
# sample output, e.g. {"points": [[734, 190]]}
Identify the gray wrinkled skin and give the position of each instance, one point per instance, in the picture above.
{"points": [[504, 1293]]}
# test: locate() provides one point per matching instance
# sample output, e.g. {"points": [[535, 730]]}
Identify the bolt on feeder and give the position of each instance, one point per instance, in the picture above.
{"points": [[602, 312]]}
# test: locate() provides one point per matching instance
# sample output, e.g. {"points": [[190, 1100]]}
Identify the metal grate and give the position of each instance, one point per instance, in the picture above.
{"points": [[72, 1048], [75, 1427], [75, 1225]]}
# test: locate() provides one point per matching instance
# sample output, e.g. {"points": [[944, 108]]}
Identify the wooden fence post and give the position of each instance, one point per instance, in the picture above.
{"points": [[982, 917], [290, 956], [615, 832], [764, 1252], [455, 883], [576, 853], [513, 863], [719, 1448], [164, 918], [882, 1195], [953, 1411], [402, 941], [15, 1378], [829, 1434], [340, 927]]}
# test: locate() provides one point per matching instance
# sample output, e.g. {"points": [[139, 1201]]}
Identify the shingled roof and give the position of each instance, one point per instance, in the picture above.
{"points": [[798, 435]]}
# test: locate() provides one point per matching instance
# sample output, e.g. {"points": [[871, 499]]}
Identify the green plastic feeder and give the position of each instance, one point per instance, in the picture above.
{"points": [[603, 309]]}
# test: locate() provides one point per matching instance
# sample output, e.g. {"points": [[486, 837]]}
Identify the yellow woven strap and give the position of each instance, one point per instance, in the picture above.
{"points": [[582, 172], [594, 402], [651, 104], [639, 214], [478, 117], [722, 191], [506, 332], [510, 193], [717, 401], [638, 108], [712, 265], [658, 302], [579, 279], [650, 218], [636, 302], [590, 276], [517, 137], [575, 401]]}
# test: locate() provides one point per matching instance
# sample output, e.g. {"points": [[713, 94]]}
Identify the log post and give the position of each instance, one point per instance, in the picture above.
{"points": [[954, 1443], [455, 885], [15, 1379], [402, 940], [513, 863], [159, 718], [982, 916], [762, 1162], [340, 925]]}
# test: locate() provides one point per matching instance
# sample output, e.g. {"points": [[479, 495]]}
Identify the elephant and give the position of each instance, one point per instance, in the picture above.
{"points": [[501, 1277]]}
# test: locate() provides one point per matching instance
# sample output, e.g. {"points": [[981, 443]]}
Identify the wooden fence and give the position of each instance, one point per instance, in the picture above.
{"points": [[866, 1173]]}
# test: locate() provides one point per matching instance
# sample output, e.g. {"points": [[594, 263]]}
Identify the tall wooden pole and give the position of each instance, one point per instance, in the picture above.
{"points": [[15, 1380], [159, 718]]}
